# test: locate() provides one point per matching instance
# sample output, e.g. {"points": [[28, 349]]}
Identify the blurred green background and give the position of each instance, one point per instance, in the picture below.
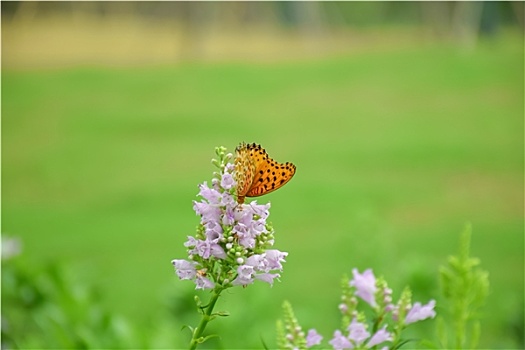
{"points": [[405, 121]]}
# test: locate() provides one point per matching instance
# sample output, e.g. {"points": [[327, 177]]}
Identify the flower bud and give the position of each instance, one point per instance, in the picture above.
{"points": [[343, 308], [216, 163], [220, 151]]}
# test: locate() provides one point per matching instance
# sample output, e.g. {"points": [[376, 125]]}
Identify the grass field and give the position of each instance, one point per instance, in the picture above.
{"points": [[395, 152]]}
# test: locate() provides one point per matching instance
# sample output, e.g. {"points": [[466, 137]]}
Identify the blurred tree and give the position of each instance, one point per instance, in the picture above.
{"points": [[465, 23], [194, 25], [518, 10], [24, 11]]}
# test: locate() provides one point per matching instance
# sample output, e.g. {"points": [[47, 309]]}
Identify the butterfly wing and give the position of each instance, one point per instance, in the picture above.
{"points": [[269, 175], [244, 171], [257, 174]]}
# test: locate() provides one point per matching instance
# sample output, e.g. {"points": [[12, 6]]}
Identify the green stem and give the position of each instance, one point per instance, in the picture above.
{"points": [[377, 322], [206, 317]]}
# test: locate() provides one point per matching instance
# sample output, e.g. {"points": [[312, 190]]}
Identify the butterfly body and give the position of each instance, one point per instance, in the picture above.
{"points": [[257, 174]]}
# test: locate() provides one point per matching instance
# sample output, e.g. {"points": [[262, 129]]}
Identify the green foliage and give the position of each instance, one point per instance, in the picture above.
{"points": [[405, 301], [384, 322], [44, 308], [348, 299], [465, 287], [290, 335]]}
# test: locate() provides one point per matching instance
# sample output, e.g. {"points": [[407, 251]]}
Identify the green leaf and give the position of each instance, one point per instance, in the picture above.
{"points": [[190, 328], [222, 314], [465, 287]]}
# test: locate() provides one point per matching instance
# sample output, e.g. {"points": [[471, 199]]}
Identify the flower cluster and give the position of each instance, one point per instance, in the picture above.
{"points": [[389, 318], [291, 335], [357, 335], [231, 246]]}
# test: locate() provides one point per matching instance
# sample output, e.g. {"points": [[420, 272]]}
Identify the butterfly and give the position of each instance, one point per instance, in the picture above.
{"points": [[256, 173]]}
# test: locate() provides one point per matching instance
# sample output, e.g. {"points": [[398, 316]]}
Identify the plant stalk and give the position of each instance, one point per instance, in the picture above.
{"points": [[206, 317]]}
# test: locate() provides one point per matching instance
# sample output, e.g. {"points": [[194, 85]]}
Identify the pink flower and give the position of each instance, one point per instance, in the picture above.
{"points": [[185, 269], [366, 285], [273, 259], [227, 181], [245, 275], [267, 277], [380, 336], [421, 312], [203, 283], [358, 333], [340, 342], [313, 338], [211, 195]]}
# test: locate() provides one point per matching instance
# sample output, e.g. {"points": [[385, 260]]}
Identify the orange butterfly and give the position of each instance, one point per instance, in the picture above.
{"points": [[257, 174]]}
